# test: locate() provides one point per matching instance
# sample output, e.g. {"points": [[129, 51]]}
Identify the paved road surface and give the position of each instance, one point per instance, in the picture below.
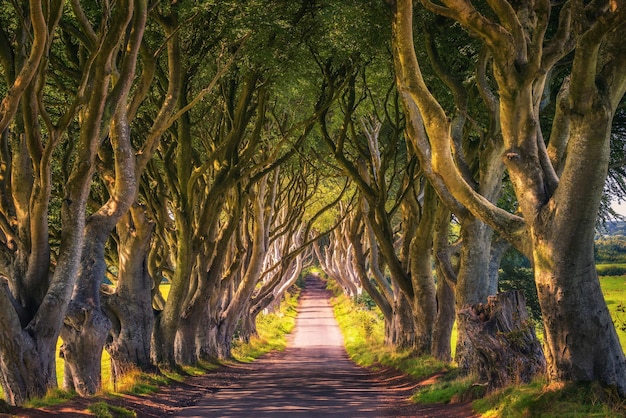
{"points": [[313, 377]]}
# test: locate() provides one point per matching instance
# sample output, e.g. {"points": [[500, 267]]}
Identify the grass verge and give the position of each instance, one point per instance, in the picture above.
{"points": [[272, 331], [538, 399], [53, 397], [363, 333], [104, 410]]}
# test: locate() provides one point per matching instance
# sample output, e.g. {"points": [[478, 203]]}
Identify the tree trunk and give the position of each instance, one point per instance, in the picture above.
{"points": [[442, 332], [400, 332], [224, 339], [86, 327], [446, 281], [503, 338], [207, 340], [185, 343], [27, 368], [580, 338], [194, 338], [472, 285], [240, 302], [167, 322], [247, 326], [581, 341], [129, 308]]}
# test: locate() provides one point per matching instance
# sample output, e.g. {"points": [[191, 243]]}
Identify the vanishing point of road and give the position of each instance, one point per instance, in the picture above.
{"points": [[314, 377]]}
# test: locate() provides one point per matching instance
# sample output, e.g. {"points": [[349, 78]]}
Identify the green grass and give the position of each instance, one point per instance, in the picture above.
{"points": [[449, 388], [138, 383], [544, 401], [614, 290], [104, 410], [272, 331], [53, 397], [363, 334]]}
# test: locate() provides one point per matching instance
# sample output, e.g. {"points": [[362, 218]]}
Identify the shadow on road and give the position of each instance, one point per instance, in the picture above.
{"points": [[313, 377]]}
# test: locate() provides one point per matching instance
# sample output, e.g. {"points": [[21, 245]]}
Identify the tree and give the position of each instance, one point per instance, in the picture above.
{"points": [[31, 303], [85, 326], [558, 197], [40, 300]]}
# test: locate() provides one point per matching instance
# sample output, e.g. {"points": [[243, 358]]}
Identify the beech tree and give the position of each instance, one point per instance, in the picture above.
{"points": [[476, 148], [558, 194], [41, 299], [86, 327], [393, 194], [32, 302]]}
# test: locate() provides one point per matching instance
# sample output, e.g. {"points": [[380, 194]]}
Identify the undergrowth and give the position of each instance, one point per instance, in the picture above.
{"points": [[272, 331], [104, 410], [363, 333], [541, 400]]}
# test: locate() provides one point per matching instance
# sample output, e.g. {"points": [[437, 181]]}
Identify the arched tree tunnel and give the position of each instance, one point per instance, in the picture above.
{"points": [[219, 149]]}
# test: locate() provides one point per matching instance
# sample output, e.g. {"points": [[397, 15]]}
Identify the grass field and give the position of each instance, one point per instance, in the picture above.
{"points": [[614, 289]]}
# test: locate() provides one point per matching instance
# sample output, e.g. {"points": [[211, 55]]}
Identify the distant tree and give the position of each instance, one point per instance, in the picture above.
{"points": [[610, 249]]}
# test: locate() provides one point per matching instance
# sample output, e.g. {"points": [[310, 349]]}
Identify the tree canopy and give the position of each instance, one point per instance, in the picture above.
{"points": [[223, 146]]}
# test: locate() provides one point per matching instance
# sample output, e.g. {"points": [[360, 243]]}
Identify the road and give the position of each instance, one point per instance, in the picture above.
{"points": [[313, 377]]}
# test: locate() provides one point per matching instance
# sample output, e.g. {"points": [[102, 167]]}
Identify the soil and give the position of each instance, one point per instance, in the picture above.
{"points": [[312, 377]]}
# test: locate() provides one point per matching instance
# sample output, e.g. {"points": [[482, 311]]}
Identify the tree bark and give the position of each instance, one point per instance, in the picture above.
{"points": [[581, 341], [129, 307], [86, 326], [503, 338], [230, 317], [472, 285], [446, 281], [401, 331]]}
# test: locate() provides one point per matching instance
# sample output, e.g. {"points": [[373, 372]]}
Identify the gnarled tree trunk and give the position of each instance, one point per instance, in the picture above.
{"points": [[129, 307], [503, 339]]}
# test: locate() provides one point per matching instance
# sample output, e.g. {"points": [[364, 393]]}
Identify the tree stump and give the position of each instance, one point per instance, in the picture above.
{"points": [[506, 348]]}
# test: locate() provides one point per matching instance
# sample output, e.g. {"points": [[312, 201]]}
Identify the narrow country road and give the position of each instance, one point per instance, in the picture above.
{"points": [[313, 377]]}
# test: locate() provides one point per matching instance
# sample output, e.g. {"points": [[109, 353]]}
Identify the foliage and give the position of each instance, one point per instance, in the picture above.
{"points": [[611, 269], [538, 400], [272, 331], [104, 410], [615, 185], [365, 301], [610, 249]]}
